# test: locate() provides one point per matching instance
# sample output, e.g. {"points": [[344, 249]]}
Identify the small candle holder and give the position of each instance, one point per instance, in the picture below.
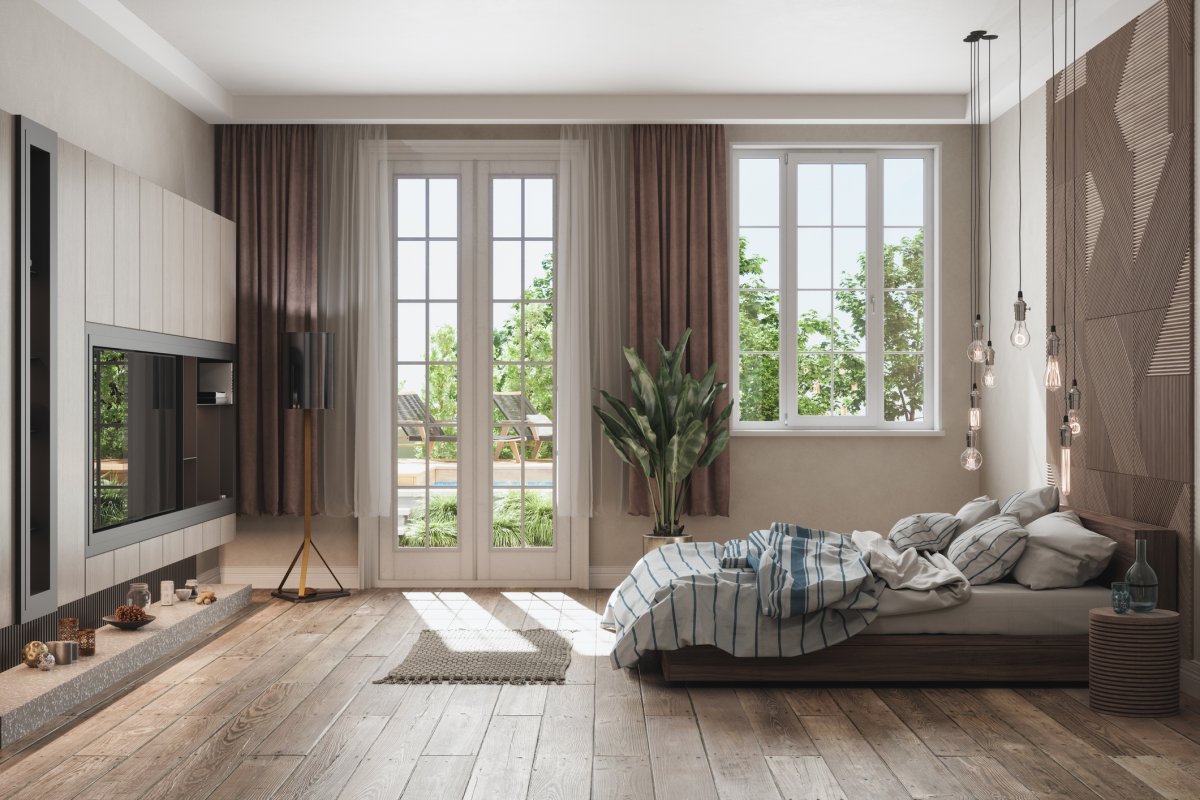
{"points": [[68, 629], [87, 641]]}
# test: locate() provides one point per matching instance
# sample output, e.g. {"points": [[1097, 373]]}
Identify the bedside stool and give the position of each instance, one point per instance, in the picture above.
{"points": [[1133, 663]]}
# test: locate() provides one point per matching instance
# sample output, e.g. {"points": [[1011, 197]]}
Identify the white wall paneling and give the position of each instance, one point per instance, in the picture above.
{"points": [[211, 534], [212, 326], [228, 528], [99, 240], [193, 540], [151, 257], [228, 281], [127, 563], [127, 200], [7, 271], [71, 368], [151, 555], [193, 270], [172, 263], [99, 572], [173, 547]]}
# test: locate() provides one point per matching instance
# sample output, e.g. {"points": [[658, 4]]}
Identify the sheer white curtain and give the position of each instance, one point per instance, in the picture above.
{"points": [[354, 294], [595, 233]]}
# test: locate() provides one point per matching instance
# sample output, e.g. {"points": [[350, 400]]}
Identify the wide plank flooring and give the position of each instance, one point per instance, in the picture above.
{"points": [[279, 702]]}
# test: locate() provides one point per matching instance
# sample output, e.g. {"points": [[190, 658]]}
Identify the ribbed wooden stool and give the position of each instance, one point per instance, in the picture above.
{"points": [[1133, 663]]}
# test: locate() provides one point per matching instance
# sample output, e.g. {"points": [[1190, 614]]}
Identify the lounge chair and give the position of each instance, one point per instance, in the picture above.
{"points": [[412, 415], [518, 418]]}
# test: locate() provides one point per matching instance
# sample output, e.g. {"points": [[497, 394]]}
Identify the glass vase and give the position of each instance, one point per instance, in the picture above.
{"points": [[1143, 583], [138, 595]]}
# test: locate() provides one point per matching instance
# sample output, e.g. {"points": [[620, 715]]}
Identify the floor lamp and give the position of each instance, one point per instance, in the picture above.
{"points": [[308, 375]]}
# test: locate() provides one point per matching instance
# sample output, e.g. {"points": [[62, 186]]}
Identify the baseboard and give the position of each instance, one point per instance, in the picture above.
{"points": [[268, 577], [1189, 677], [211, 576], [606, 577]]}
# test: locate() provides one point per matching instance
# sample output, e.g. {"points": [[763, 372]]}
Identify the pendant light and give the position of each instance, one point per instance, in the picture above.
{"points": [[1053, 372], [971, 459], [989, 368], [1074, 396], [975, 414], [976, 351], [1064, 456], [1019, 338]]}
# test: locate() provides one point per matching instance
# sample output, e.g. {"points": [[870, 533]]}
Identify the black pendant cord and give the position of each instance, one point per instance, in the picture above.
{"points": [[1020, 145], [990, 38], [1053, 163], [1075, 184]]}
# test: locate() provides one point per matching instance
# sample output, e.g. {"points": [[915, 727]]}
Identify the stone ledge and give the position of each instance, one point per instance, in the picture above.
{"points": [[29, 698]]}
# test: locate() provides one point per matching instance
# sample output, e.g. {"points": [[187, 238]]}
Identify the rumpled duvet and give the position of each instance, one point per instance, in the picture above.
{"points": [[681, 595]]}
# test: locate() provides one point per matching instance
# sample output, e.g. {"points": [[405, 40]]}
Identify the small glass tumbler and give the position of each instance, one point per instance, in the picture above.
{"points": [[1120, 597], [87, 641], [68, 629]]}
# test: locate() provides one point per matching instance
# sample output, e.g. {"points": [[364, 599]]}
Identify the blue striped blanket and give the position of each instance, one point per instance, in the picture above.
{"points": [[681, 595]]}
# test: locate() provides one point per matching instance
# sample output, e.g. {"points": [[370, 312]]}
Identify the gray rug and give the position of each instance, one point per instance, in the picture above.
{"points": [[489, 656]]}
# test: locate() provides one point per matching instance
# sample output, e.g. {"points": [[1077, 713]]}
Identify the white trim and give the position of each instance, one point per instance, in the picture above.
{"points": [[1189, 677], [607, 577], [851, 432], [212, 575], [268, 577]]}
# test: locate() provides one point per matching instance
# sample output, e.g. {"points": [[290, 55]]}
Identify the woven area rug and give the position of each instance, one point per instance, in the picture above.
{"points": [[488, 656]]}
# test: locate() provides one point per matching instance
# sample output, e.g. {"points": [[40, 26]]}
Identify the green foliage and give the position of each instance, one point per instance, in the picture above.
{"points": [[671, 429], [831, 371], [442, 524]]}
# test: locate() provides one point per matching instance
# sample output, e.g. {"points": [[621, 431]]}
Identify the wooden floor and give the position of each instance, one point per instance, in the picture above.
{"points": [[280, 704]]}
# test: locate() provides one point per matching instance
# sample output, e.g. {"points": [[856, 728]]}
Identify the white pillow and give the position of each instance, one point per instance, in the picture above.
{"points": [[1030, 504], [987, 552], [931, 532], [1060, 553], [976, 511]]}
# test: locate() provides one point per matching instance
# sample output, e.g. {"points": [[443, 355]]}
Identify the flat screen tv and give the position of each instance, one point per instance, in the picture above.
{"points": [[163, 434]]}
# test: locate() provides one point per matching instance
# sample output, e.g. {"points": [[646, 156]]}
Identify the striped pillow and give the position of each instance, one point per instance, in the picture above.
{"points": [[810, 571], [989, 551], [931, 532]]}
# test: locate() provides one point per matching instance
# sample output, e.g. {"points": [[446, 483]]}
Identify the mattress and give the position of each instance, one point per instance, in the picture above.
{"points": [[1006, 609]]}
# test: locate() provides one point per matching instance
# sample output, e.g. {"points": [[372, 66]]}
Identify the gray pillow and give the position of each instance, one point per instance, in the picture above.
{"points": [[987, 552], [976, 511], [1030, 504], [931, 532], [1060, 553]]}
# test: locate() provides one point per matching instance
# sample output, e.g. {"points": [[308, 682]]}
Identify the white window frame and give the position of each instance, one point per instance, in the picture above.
{"points": [[872, 423]]}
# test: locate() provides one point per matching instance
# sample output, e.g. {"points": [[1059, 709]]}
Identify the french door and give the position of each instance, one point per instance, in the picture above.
{"points": [[476, 467]]}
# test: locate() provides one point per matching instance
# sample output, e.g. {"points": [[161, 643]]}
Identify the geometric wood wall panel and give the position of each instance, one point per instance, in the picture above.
{"points": [[1125, 266]]}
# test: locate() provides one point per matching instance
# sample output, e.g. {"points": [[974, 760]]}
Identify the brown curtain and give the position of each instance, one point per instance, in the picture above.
{"points": [[267, 184], [679, 270]]}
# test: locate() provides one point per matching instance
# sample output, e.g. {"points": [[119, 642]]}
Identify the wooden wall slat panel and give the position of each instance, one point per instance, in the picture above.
{"points": [[99, 240], [151, 257], [127, 220], [213, 315], [193, 270], [71, 368], [228, 281], [173, 263]]}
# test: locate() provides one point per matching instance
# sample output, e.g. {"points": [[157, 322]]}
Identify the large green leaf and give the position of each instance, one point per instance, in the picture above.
{"points": [[714, 448], [684, 450]]}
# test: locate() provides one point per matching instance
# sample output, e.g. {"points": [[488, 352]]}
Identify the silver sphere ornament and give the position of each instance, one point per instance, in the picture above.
{"points": [[45, 662]]}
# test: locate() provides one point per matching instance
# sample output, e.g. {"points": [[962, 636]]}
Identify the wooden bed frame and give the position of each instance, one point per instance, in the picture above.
{"points": [[943, 658]]}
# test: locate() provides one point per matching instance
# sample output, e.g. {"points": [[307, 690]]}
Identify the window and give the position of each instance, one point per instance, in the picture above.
{"points": [[834, 290]]}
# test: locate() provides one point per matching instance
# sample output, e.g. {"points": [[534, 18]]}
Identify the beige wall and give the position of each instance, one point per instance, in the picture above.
{"points": [[837, 482], [1014, 433], [54, 75]]}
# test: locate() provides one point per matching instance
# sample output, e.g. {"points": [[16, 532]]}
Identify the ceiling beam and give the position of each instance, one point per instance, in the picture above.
{"points": [[124, 36], [553, 108]]}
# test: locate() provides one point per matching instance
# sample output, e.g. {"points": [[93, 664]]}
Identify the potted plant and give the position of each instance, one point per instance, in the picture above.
{"points": [[668, 432]]}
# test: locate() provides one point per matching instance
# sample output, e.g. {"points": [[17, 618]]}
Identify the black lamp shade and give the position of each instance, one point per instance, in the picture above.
{"points": [[308, 370]]}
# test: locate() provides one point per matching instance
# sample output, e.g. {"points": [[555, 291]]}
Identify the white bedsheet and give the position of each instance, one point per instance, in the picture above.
{"points": [[1007, 609], [916, 582]]}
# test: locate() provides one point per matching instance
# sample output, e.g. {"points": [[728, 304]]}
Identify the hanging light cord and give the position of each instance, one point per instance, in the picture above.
{"points": [[1020, 142], [989, 184], [1075, 182], [1054, 160]]}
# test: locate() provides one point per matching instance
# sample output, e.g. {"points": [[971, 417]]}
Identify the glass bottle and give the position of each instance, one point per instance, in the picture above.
{"points": [[1143, 583], [138, 595]]}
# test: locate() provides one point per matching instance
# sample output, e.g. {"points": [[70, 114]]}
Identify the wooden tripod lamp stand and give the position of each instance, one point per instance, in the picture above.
{"points": [[308, 373]]}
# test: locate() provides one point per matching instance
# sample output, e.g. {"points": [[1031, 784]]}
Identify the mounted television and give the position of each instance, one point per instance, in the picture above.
{"points": [[163, 434]]}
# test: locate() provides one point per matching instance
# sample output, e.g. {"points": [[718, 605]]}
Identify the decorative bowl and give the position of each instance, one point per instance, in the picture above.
{"points": [[128, 626]]}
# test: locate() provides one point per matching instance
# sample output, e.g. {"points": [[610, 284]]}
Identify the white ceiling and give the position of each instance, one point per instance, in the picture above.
{"points": [[357, 58]]}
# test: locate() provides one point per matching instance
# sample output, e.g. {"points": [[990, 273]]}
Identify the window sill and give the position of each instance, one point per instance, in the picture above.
{"points": [[835, 432]]}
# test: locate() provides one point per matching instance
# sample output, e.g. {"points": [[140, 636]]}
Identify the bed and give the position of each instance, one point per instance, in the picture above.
{"points": [[1004, 633]]}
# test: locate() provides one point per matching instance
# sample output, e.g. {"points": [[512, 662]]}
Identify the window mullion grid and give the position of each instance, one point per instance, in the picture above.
{"points": [[875, 310], [789, 270]]}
